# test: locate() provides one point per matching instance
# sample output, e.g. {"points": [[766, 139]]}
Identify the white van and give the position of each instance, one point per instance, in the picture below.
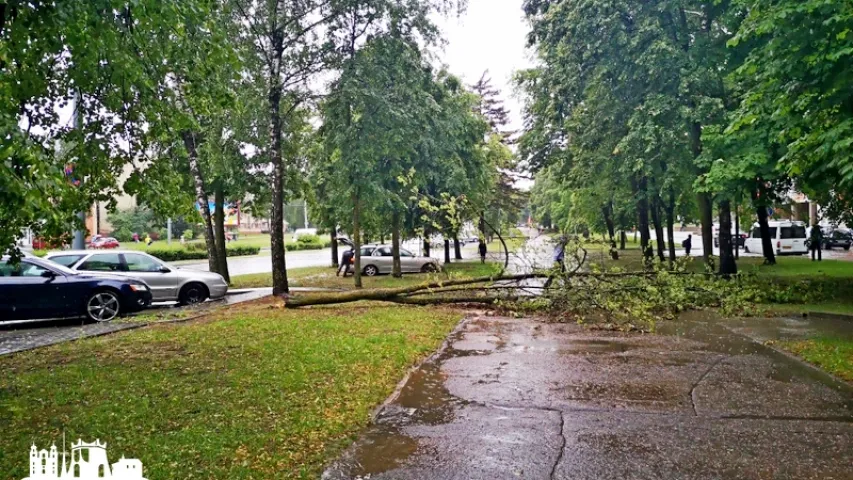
{"points": [[788, 238]]}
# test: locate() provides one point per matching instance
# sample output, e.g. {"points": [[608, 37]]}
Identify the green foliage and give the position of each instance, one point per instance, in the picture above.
{"points": [[139, 220], [193, 253]]}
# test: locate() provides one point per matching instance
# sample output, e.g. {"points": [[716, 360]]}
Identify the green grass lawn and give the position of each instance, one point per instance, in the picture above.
{"points": [[631, 259], [833, 354], [324, 277], [255, 391]]}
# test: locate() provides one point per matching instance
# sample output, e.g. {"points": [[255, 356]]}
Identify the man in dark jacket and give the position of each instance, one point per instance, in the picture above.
{"points": [[816, 243], [687, 244], [346, 262], [483, 250]]}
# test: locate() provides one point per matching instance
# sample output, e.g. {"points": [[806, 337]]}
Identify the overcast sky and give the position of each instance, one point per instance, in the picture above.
{"points": [[490, 35]]}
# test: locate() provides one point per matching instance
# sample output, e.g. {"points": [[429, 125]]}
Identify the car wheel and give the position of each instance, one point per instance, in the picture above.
{"points": [[371, 271], [103, 306], [429, 268], [847, 247], [193, 294], [745, 249]]}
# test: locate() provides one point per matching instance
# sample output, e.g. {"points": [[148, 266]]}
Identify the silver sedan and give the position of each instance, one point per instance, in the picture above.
{"points": [[377, 259], [167, 283]]}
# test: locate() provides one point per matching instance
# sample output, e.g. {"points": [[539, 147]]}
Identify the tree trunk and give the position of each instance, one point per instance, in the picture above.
{"points": [[447, 250], [607, 211], [279, 265], [219, 215], [737, 231], [706, 217], [356, 238], [728, 266], [482, 224], [201, 197], [396, 269], [643, 216], [766, 242], [393, 294], [623, 240], [334, 236], [427, 251], [670, 226], [457, 248], [658, 225]]}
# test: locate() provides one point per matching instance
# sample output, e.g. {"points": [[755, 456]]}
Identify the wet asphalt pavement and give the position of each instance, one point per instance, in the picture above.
{"points": [[518, 398]]}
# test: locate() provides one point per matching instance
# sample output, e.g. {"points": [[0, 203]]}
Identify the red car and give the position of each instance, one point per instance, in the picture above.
{"points": [[104, 242]]}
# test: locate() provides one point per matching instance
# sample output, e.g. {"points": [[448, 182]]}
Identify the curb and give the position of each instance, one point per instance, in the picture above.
{"points": [[398, 390], [830, 316]]}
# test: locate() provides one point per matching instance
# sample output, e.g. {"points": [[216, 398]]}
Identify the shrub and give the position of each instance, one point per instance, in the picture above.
{"points": [[122, 235], [173, 255], [309, 239], [188, 234]]}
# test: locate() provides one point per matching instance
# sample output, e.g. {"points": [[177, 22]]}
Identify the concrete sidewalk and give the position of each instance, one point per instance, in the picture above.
{"points": [[517, 398]]}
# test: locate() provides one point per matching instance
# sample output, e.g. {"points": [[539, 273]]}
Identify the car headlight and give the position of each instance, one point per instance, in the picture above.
{"points": [[139, 287]]}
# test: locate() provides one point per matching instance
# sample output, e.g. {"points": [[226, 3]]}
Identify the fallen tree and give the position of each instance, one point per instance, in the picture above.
{"points": [[404, 294]]}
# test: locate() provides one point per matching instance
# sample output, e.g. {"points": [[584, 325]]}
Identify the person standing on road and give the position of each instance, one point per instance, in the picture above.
{"points": [[560, 253], [687, 244], [346, 262], [483, 250], [816, 242]]}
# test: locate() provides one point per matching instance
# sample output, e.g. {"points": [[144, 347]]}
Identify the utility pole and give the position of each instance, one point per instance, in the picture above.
{"points": [[79, 240], [168, 231]]}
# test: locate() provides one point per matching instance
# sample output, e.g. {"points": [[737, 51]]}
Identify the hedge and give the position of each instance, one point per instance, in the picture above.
{"points": [[186, 254]]}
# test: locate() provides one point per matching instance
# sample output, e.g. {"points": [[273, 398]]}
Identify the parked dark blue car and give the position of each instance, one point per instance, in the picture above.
{"points": [[38, 289]]}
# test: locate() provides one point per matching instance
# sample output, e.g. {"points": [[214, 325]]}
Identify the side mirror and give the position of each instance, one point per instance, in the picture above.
{"points": [[164, 269], [48, 274]]}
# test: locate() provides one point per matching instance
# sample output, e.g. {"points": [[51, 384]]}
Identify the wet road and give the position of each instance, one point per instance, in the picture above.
{"points": [[302, 259], [516, 398]]}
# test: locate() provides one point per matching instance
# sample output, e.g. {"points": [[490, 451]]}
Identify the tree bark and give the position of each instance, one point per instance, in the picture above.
{"points": [[706, 217], [219, 215], [279, 265], [766, 241], [390, 294], [396, 269], [356, 238], [643, 215], [607, 211], [457, 248], [670, 226], [658, 225], [728, 266], [334, 236], [446, 250], [623, 240], [189, 139], [737, 232]]}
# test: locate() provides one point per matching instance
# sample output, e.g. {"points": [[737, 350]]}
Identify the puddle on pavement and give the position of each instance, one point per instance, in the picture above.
{"points": [[593, 346], [425, 398], [378, 450]]}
